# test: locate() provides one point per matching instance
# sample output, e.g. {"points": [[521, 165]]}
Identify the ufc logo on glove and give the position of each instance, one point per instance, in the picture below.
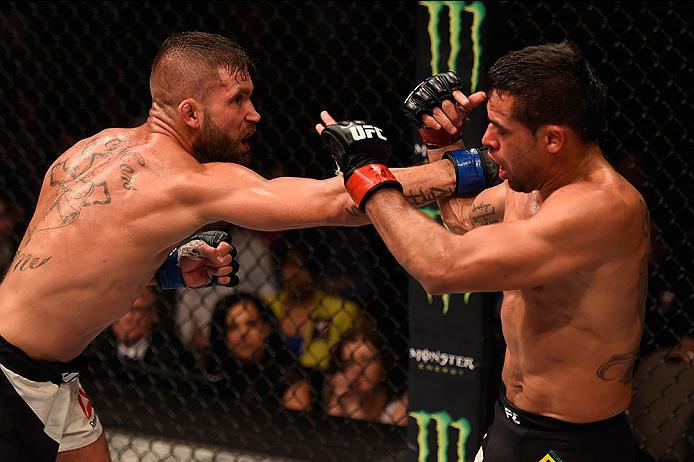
{"points": [[359, 132]]}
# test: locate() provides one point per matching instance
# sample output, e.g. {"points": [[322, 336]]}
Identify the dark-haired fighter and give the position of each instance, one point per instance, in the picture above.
{"points": [[566, 239]]}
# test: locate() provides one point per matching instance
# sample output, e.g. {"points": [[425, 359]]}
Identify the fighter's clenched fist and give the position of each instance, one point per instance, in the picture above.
{"points": [[360, 151]]}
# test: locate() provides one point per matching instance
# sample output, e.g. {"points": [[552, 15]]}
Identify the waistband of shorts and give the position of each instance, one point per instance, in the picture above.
{"points": [[544, 423], [16, 360]]}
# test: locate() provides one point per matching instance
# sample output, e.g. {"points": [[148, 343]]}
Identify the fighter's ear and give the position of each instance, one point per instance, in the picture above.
{"points": [[190, 111], [554, 137]]}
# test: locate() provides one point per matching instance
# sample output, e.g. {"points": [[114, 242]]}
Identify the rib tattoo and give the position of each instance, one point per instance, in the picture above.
{"points": [[621, 360]]}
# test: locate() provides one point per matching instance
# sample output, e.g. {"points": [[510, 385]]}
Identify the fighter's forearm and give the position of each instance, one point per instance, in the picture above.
{"points": [[346, 213], [402, 228], [426, 183], [435, 182]]}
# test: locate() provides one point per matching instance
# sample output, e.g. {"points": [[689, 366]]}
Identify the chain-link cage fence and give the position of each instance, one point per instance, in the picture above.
{"points": [[196, 393]]}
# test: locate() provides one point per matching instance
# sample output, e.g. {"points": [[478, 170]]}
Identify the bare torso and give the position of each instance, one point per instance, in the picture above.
{"points": [[572, 342], [103, 224]]}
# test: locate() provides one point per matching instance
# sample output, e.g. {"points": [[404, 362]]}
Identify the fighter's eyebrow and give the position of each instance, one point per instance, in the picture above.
{"points": [[245, 91], [498, 125]]}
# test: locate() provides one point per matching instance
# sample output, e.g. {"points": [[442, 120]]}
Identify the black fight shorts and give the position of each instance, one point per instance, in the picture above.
{"points": [[519, 436], [43, 408]]}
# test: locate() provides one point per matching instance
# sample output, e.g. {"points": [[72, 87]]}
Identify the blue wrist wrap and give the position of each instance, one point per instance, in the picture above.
{"points": [[469, 171], [169, 275]]}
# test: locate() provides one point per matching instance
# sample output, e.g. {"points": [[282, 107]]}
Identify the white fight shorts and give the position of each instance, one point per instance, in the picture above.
{"points": [[43, 408]]}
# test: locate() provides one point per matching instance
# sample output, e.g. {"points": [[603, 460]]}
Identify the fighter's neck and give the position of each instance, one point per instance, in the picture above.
{"points": [[160, 123], [577, 167]]}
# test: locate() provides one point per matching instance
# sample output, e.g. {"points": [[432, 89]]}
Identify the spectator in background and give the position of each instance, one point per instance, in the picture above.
{"points": [[358, 388], [311, 322], [248, 356], [138, 339], [395, 412], [195, 306]]}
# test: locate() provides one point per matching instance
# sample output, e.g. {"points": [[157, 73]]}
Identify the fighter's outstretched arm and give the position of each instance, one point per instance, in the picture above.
{"points": [[233, 193], [236, 194], [565, 236]]}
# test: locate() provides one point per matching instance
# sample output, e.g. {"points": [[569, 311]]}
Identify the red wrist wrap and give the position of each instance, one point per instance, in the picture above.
{"points": [[437, 138], [367, 179]]}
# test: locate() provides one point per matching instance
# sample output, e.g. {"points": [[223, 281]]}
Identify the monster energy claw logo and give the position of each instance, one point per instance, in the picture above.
{"points": [[443, 424], [456, 10]]}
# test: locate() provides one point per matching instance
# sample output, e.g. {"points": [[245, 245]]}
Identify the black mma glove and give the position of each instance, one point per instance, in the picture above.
{"points": [[360, 151], [169, 274], [424, 98]]}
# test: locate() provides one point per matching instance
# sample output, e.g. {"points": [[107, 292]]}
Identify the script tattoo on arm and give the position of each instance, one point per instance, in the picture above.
{"points": [[483, 214], [623, 360], [416, 198], [420, 198]]}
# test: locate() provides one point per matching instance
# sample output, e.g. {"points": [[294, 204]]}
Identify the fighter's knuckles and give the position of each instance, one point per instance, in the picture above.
{"points": [[221, 260], [224, 248], [430, 94], [221, 271]]}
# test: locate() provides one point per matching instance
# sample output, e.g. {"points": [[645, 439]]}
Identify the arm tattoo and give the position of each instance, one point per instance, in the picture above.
{"points": [[421, 198], [354, 211], [620, 360], [484, 214]]}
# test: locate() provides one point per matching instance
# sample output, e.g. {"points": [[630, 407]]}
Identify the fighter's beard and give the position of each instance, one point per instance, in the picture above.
{"points": [[216, 146]]}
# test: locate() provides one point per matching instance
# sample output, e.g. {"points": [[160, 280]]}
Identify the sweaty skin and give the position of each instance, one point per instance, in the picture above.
{"points": [[570, 256], [113, 205]]}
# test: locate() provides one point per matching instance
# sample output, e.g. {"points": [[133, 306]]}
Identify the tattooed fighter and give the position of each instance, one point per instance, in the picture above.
{"points": [[111, 209], [565, 237]]}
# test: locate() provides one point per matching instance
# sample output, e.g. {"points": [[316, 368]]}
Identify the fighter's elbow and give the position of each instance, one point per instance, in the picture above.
{"points": [[432, 279], [434, 286]]}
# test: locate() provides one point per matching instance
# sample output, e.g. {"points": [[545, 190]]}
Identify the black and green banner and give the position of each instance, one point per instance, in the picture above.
{"points": [[448, 357]]}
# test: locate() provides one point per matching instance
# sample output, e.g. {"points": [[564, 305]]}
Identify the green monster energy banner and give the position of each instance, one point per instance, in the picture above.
{"points": [[448, 373]]}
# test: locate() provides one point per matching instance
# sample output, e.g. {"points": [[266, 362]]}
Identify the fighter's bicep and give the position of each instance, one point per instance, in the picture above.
{"points": [[559, 242], [463, 214], [488, 206], [552, 244]]}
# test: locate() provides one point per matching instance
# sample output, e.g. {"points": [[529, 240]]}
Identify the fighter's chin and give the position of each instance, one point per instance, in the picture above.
{"points": [[519, 187]]}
